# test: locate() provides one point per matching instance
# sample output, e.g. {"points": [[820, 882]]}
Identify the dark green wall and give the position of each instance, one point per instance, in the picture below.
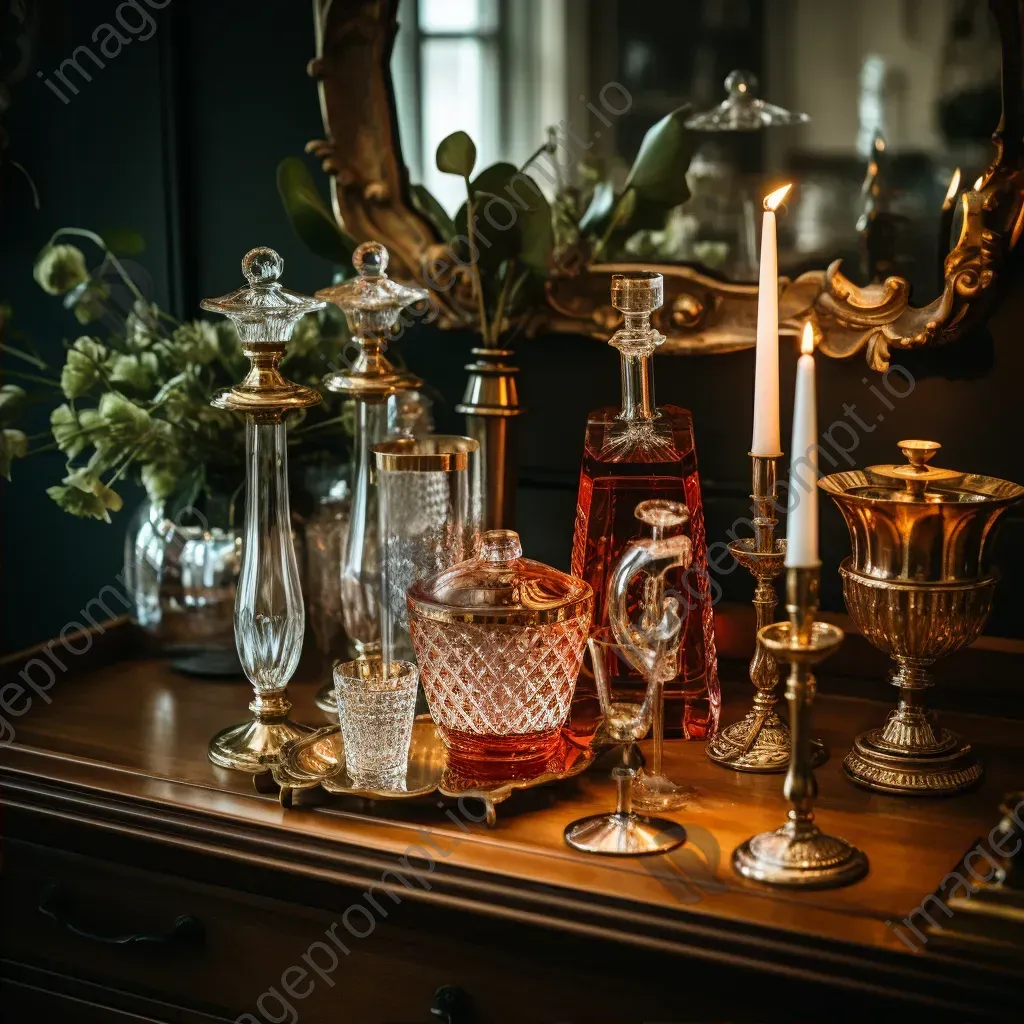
{"points": [[178, 138]]}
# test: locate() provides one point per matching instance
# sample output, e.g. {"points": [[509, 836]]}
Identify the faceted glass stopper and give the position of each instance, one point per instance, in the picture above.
{"points": [[637, 293], [501, 546], [371, 259], [262, 266], [741, 110], [636, 296], [263, 311]]}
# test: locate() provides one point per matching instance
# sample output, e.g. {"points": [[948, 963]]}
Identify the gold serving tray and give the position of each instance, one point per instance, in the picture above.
{"points": [[318, 760]]}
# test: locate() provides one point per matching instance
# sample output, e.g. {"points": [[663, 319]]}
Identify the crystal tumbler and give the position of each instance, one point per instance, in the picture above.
{"points": [[427, 521], [376, 708]]}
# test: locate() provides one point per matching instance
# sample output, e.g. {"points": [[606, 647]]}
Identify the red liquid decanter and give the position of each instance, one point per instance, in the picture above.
{"points": [[630, 455]]}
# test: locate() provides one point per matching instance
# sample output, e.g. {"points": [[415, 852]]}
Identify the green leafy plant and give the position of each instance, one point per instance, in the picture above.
{"points": [[133, 401], [309, 214], [508, 237]]}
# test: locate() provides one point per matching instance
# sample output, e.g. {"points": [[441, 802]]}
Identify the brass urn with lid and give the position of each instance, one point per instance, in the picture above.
{"points": [[919, 586]]}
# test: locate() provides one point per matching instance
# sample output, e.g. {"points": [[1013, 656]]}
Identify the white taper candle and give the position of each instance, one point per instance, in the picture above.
{"points": [[766, 439], [802, 523]]}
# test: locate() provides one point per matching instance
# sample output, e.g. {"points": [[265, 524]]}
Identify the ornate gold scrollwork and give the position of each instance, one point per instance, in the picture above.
{"points": [[702, 314]]}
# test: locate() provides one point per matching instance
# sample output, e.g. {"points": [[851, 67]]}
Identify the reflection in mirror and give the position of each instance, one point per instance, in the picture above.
{"points": [[898, 95]]}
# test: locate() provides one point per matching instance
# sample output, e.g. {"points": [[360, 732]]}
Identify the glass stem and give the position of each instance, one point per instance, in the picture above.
{"points": [[637, 387], [659, 730], [360, 569], [269, 615]]}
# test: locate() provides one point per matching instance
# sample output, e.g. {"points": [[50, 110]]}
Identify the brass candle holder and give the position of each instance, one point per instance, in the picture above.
{"points": [[760, 741], [799, 855]]}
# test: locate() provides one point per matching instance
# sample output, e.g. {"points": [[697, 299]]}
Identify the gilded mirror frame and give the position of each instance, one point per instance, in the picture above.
{"points": [[702, 314]]}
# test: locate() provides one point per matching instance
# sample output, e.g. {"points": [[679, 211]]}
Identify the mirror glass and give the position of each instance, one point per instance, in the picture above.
{"points": [[896, 95]]}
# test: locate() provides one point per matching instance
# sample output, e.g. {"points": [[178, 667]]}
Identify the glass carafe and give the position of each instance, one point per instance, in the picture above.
{"points": [[633, 454]]}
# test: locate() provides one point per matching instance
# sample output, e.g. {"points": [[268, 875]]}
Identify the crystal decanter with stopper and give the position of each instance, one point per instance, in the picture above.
{"points": [[269, 615], [372, 303], [633, 454]]}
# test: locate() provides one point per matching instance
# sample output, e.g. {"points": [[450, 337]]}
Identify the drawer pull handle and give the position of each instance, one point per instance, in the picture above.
{"points": [[452, 1006], [56, 904]]}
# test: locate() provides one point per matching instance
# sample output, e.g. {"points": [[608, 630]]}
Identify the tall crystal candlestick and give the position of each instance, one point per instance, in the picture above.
{"points": [[269, 614], [799, 855], [766, 440], [372, 303]]}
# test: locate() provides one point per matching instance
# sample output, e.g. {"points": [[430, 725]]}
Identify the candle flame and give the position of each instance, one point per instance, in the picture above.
{"points": [[979, 183], [807, 340], [773, 200], [954, 185]]}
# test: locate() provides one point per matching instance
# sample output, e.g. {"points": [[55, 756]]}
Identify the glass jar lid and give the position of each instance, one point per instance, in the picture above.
{"points": [[501, 588]]}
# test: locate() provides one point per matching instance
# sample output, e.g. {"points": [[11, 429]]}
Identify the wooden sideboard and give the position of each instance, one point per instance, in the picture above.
{"points": [[141, 883]]}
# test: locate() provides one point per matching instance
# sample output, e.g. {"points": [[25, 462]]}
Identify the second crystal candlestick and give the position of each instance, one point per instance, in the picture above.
{"points": [[372, 304]]}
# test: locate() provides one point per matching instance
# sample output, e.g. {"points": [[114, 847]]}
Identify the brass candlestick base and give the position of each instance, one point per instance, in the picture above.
{"points": [[254, 745], [760, 741], [915, 623], [800, 855]]}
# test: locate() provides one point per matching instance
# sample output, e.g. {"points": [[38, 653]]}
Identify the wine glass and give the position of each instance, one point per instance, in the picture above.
{"points": [[651, 645], [624, 832]]}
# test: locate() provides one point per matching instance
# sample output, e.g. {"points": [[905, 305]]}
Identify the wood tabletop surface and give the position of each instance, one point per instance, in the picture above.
{"points": [[123, 746]]}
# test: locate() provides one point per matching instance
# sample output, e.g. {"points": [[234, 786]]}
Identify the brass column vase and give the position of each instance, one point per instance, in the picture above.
{"points": [[919, 586], [799, 855]]}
